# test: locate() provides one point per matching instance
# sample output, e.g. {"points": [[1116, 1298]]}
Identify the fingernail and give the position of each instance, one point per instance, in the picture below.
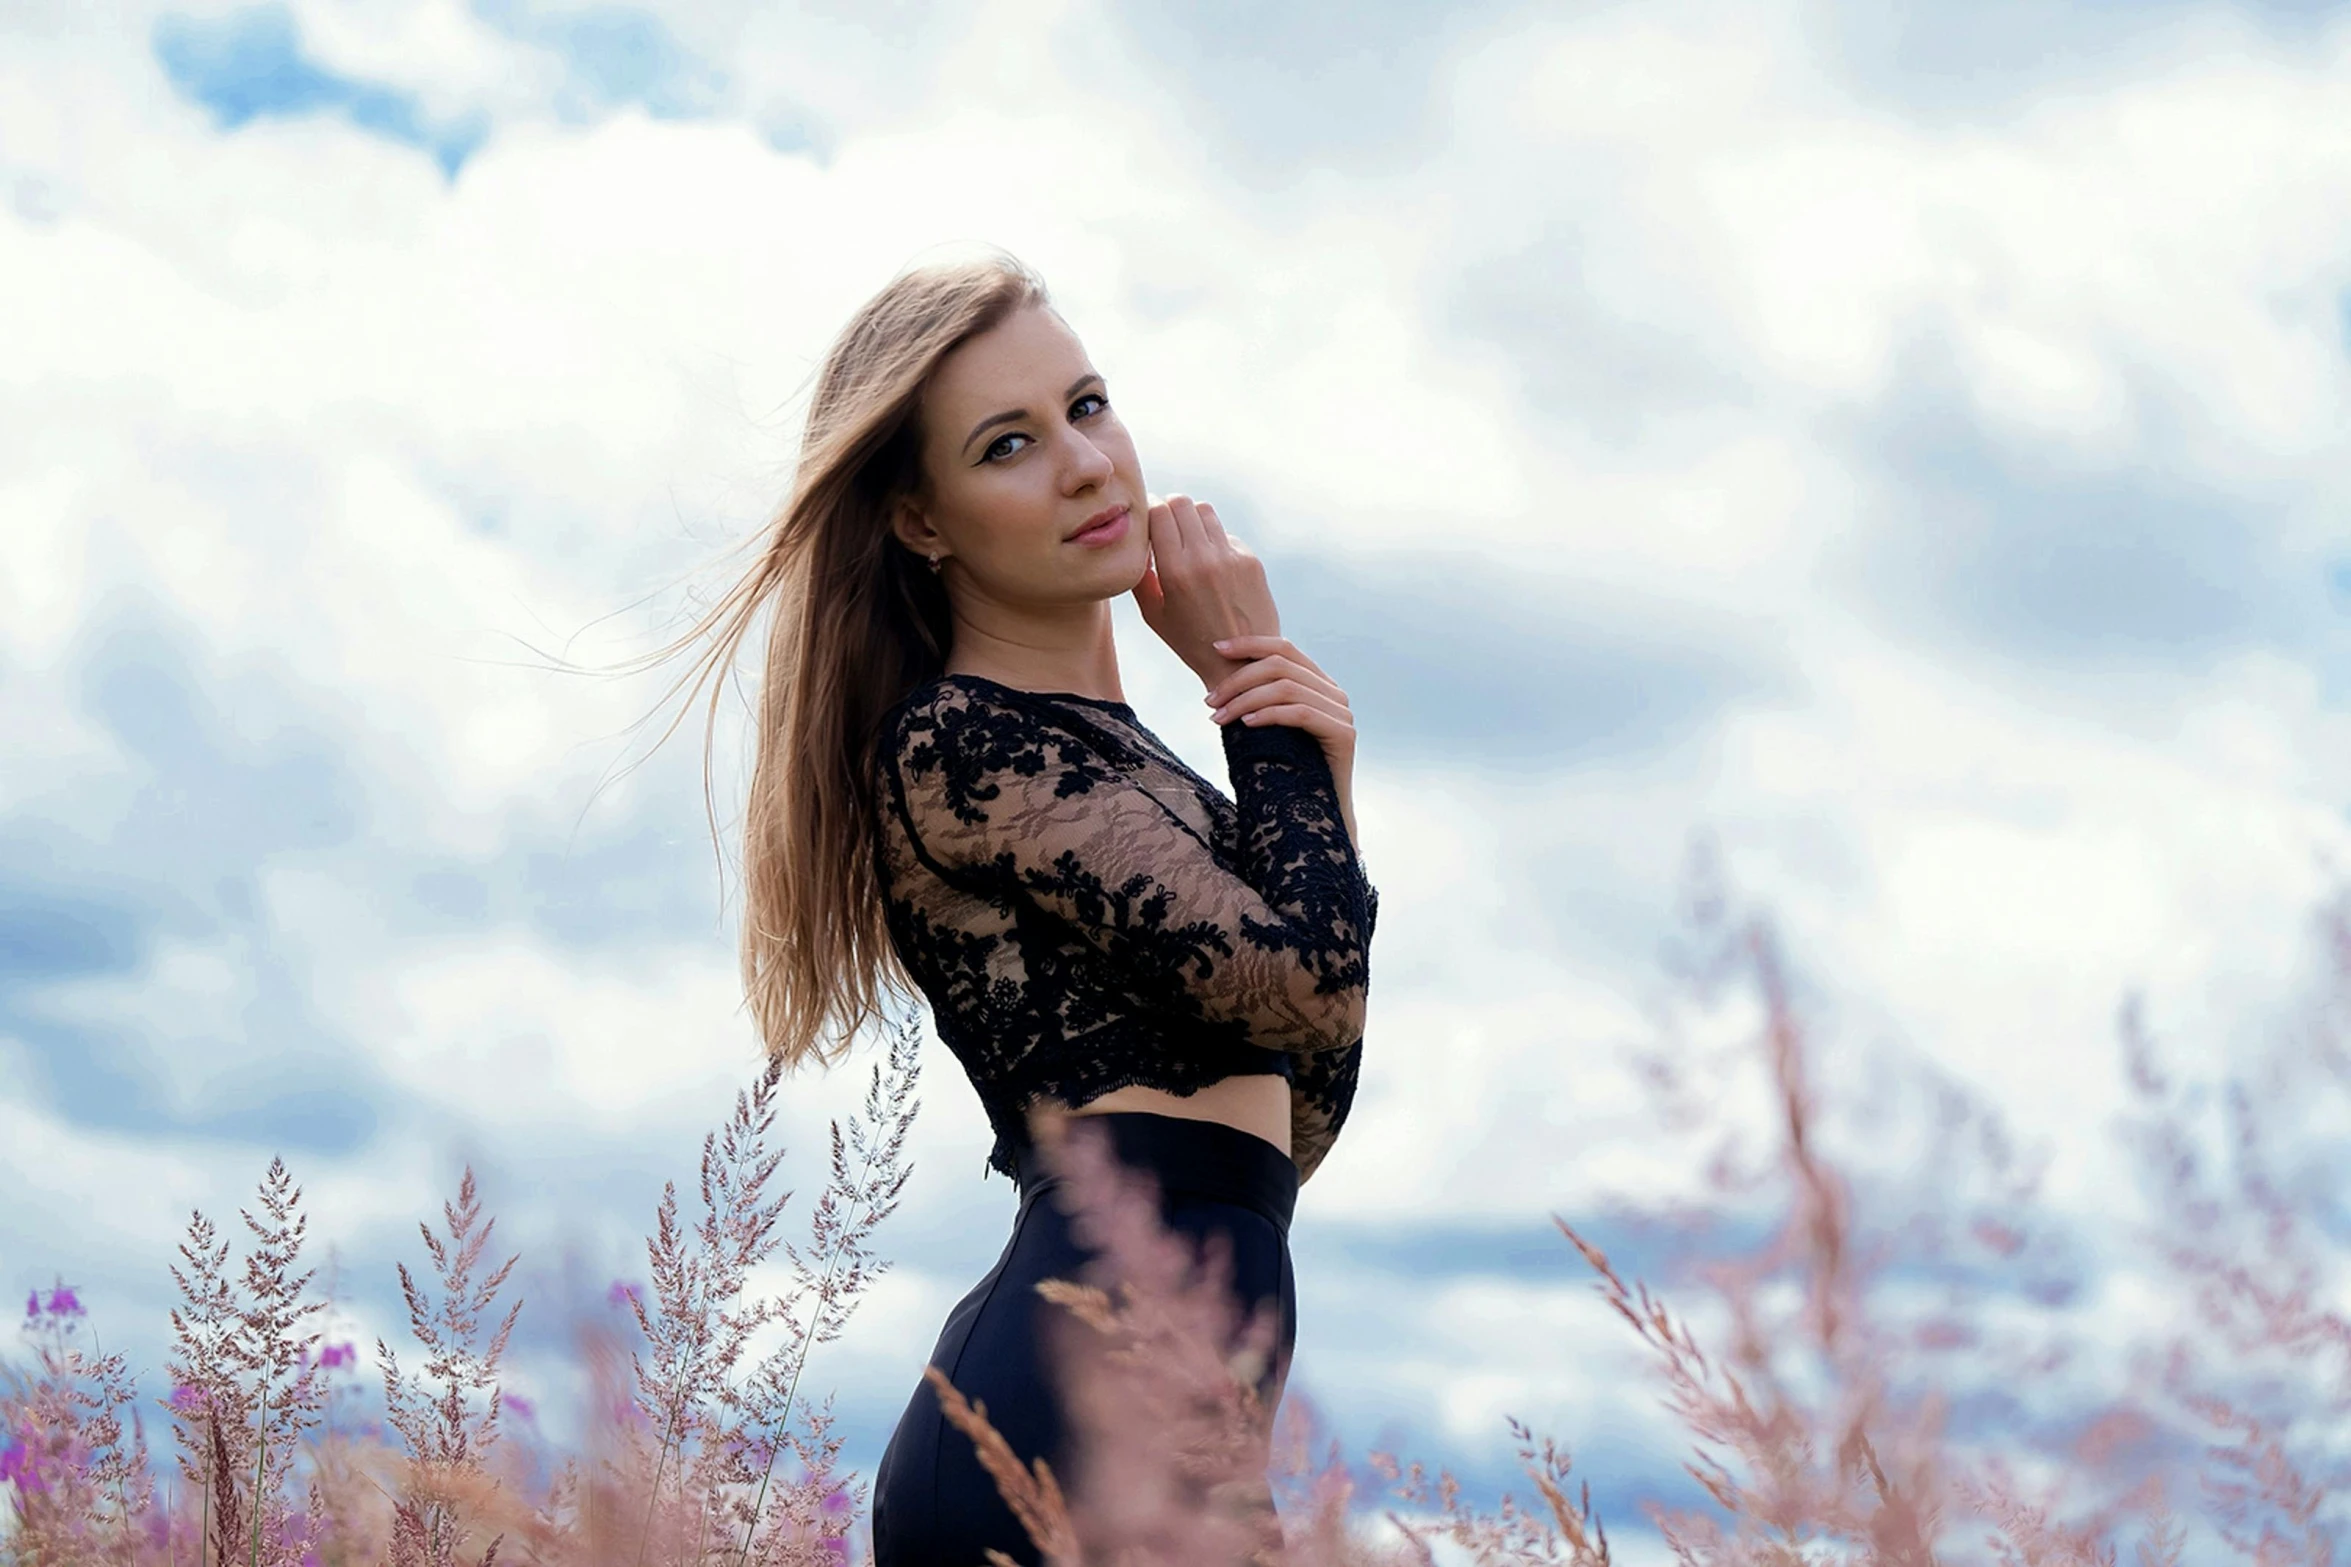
{"points": [[1221, 643]]}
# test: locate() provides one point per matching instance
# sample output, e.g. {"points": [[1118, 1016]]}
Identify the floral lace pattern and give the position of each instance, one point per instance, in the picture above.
{"points": [[1084, 911]]}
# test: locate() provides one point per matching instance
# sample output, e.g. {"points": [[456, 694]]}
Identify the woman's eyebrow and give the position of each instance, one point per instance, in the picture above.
{"points": [[1014, 416]]}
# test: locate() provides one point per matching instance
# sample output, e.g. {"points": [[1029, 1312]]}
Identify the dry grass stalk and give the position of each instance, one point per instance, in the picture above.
{"points": [[446, 1439], [2260, 1372], [1564, 1533], [1033, 1495], [868, 1175], [1802, 1441], [245, 1382], [1160, 1371], [715, 1493]]}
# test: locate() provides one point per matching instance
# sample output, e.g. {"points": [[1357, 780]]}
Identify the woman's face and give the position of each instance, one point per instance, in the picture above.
{"points": [[1021, 450]]}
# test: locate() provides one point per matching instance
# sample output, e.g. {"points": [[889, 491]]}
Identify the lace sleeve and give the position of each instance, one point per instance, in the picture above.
{"points": [[1018, 809], [1322, 1087]]}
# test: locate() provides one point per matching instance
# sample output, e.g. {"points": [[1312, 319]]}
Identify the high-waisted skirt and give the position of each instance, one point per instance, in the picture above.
{"points": [[932, 1502]]}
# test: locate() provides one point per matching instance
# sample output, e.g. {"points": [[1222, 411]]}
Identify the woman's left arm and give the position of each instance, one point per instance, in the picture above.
{"points": [[1276, 684], [1280, 685]]}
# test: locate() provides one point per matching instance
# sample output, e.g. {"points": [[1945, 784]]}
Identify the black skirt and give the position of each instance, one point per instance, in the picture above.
{"points": [[932, 1502]]}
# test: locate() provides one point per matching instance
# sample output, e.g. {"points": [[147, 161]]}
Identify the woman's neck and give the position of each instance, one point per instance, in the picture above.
{"points": [[1090, 671]]}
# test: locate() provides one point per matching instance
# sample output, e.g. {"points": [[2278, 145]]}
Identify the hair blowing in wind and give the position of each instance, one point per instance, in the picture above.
{"points": [[853, 622]]}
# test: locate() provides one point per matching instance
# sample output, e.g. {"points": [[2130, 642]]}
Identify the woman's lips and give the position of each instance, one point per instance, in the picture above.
{"points": [[1109, 532]]}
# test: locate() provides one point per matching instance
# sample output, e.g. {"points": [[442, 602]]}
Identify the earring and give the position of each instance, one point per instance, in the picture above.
{"points": [[934, 565]]}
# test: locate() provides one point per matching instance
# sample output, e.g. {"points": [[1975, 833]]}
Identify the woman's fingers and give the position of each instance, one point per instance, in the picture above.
{"points": [[1266, 670], [1167, 540], [1280, 685], [1284, 694], [1189, 528], [1302, 715], [1324, 725], [1262, 657], [1260, 645], [1209, 585], [1149, 597]]}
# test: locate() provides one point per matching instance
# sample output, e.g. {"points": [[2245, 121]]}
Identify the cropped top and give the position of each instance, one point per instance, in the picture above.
{"points": [[1084, 911]]}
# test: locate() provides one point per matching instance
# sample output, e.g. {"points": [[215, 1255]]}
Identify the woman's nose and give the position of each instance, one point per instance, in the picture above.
{"points": [[1087, 463]]}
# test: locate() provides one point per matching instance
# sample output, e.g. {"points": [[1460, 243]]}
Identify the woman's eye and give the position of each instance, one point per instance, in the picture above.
{"points": [[1079, 410], [998, 450]]}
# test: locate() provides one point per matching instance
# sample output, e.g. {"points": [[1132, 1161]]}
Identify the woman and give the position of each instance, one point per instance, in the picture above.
{"points": [[951, 790]]}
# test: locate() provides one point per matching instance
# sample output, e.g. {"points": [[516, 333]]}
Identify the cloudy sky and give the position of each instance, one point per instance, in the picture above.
{"points": [[1901, 444]]}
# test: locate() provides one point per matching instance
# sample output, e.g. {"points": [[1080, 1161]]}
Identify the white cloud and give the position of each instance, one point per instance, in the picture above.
{"points": [[442, 51]]}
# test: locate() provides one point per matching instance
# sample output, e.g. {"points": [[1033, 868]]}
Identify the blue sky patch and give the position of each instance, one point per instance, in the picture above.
{"points": [[250, 65], [1997, 57], [614, 57], [1448, 659], [2035, 558], [53, 936]]}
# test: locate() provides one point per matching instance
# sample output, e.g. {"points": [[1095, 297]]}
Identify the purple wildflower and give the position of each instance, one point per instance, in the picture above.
{"points": [[621, 1293], [523, 1408], [32, 1304], [20, 1466], [187, 1400], [337, 1355], [836, 1502], [64, 1303]]}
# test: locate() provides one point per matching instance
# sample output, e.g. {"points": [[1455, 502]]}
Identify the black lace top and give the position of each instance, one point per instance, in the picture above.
{"points": [[1084, 911]]}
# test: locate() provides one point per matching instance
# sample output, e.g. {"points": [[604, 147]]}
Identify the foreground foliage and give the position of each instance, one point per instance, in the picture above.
{"points": [[1838, 1408]]}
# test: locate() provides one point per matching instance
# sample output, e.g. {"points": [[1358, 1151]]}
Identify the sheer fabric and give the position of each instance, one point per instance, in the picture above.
{"points": [[1084, 911]]}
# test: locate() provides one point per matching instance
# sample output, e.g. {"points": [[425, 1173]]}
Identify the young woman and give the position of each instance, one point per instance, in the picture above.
{"points": [[952, 791]]}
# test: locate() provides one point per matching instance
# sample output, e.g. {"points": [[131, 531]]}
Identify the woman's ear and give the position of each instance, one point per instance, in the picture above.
{"points": [[912, 527]]}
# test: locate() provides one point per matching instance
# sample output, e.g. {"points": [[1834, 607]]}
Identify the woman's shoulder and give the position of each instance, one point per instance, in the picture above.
{"points": [[966, 747], [957, 707], [971, 723], [950, 703]]}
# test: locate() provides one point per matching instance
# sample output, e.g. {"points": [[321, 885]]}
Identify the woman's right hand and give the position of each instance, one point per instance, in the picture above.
{"points": [[1202, 585]]}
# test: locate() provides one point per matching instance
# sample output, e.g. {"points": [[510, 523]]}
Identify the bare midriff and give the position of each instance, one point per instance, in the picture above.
{"points": [[1258, 1105]]}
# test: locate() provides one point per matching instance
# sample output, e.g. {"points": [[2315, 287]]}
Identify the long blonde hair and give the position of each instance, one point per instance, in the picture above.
{"points": [[858, 621]]}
